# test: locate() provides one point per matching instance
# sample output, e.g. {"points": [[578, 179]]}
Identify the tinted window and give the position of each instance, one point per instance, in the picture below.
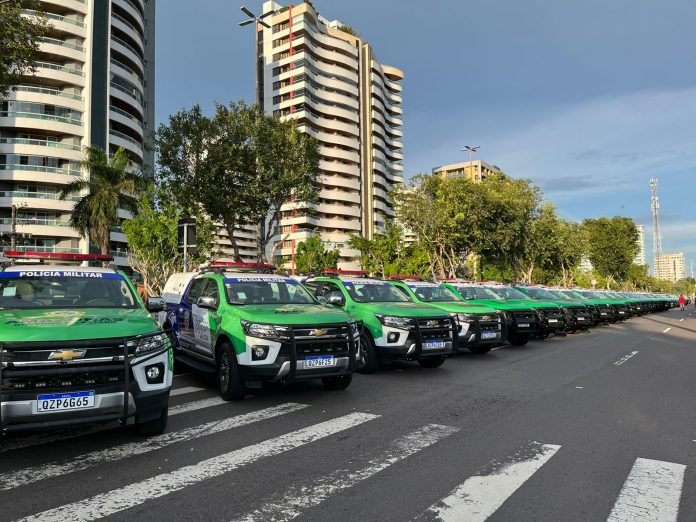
{"points": [[374, 292]]}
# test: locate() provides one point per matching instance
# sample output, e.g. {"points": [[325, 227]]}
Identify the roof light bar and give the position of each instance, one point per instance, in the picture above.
{"points": [[406, 277], [54, 256], [345, 272]]}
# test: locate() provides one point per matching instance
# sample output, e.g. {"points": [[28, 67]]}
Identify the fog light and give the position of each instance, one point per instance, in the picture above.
{"points": [[259, 352], [154, 373], [392, 337]]}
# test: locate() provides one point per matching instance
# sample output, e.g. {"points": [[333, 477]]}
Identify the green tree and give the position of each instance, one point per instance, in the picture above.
{"points": [[19, 41], [153, 240], [612, 246], [312, 257], [112, 183], [239, 166]]}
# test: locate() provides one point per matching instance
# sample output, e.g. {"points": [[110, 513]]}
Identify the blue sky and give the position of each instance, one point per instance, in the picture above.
{"points": [[587, 98]]}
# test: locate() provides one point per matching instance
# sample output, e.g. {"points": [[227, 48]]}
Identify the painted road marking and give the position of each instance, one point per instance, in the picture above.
{"points": [[651, 493], [45, 471], [479, 497], [45, 438], [296, 500], [625, 358], [137, 493], [680, 320], [666, 330], [184, 391]]}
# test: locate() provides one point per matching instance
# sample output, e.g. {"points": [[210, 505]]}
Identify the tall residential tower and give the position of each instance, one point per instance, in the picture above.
{"points": [[324, 76], [94, 86]]}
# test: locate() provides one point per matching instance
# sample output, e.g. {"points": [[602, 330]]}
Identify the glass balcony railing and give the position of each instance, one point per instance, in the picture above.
{"points": [[127, 46], [39, 143], [133, 94], [119, 253], [42, 248], [38, 116], [124, 137], [126, 23], [40, 168], [62, 43], [126, 68], [57, 67], [44, 90], [52, 16], [35, 222], [36, 195], [125, 114]]}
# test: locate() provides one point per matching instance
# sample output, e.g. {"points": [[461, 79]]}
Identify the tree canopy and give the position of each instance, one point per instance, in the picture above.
{"points": [[313, 257], [612, 245]]}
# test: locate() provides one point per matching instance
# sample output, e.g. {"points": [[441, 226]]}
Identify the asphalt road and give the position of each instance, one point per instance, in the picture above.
{"points": [[592, 427]]}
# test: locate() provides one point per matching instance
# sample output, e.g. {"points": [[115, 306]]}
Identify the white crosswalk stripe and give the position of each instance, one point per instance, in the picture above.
{"points": [[45, 438], [296, 500], [651, 493], [45, 471], [137, 493], [478, 497], [184, 391]]}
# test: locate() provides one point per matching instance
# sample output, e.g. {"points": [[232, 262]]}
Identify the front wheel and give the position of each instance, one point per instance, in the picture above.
{"points": [[431, 362], [339, 382], [518, 339], [230, 382], [152, 427], [369, 354], [480, 349]]}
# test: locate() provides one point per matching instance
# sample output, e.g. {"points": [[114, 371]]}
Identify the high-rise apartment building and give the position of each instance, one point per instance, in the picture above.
{"points": [[670, 267], [324, 76], [640, 257], [474, 170], [94, 86]]}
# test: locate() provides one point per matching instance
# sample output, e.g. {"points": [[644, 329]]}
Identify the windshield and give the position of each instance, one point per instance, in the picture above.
{"points": [[64, 289], [557, 294], [540, 293], [374, 292], [433, 293], [477, 292], [254, 291], [572, 295], [507, 292]]}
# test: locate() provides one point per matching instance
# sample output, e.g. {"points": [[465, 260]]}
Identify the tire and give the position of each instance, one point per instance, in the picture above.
{"points": [[340, 382], [230, 382], [480, 349], [367, 345], [518, 339], [432, 362], [152, 427]]}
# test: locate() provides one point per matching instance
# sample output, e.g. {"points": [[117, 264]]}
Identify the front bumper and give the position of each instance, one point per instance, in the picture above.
{"points": [[282, 370]]}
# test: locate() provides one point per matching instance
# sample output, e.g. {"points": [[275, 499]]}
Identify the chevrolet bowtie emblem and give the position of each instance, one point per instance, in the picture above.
{"points": [[66, 355], [318, 333], [433, 324]]}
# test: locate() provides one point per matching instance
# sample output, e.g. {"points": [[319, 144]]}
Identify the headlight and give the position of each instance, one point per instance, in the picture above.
{"points": [[151, 344], [263, 331], [466, 318], [397, 322], [354, 329]]}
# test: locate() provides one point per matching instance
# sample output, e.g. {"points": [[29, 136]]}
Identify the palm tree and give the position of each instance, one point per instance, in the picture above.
{"points": [[111, 185]]}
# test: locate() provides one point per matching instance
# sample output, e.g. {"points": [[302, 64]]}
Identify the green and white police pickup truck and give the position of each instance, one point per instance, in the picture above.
{"points": [[77, 347], [394, 327], [480, 328], [251, 325]]}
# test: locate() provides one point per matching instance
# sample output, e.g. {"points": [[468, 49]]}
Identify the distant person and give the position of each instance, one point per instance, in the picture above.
{"points": [[682, 300]]}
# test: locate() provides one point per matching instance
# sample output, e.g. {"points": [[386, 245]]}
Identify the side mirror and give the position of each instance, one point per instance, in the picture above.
{"points": [[335, 300], [206, 302], [155, 304]]}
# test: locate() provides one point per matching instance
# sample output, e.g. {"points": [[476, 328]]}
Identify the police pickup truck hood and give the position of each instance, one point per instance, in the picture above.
{"points": [[401, 309], [459, 307], [71, 324], [291, 314], [534, 303]]}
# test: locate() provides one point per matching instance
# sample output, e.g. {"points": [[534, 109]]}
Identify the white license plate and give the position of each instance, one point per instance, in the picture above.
{"points": [[489, 335], [603, 313], [523, 325], [622, 313], [65, 401], [581, 318], [553, 320], [434, 345], [320, 361]]}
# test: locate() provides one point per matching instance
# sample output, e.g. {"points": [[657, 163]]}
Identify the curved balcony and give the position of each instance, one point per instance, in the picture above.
{"points": [[61, 48], [338, 167], [328, 138], [128, 28], [47, 91], [31, 173], [127, 73], [350, 62], [37, 200], [126, 96], [128, 51], [120, 139], [40, 148], [329, 124], [61, 24], [60, 74], [321, 108], [321, 67], [333, 152], [334, 194], [135, 11], [41, 227], [339, 181], [126, 118], [329, 82], [320, 93], [39, 95], [74, 5], [44, 122]]}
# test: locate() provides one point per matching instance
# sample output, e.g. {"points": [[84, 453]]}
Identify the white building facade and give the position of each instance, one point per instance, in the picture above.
{"points": [[94, 86], [325, 77], [670, 267]]}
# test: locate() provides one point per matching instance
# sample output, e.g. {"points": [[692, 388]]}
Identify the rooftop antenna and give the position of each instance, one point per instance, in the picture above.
{"points": [[657, 232]]}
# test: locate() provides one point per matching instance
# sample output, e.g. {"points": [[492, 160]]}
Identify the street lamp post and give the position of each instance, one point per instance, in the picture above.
{"points": [[471, 149], [258, 20]]}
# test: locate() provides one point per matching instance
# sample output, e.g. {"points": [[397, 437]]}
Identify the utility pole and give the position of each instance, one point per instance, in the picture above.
{"points": [[13, 227], [471, 150]]}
